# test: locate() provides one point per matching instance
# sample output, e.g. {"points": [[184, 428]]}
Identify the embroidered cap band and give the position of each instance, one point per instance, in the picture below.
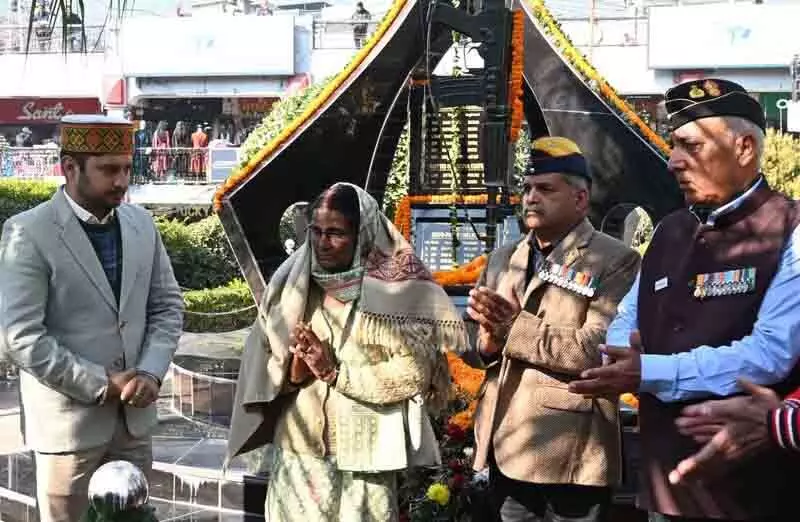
{"points": [[96, 134]]}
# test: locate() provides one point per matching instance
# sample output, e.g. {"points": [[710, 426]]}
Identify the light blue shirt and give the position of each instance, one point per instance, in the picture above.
{"points": [[766, 356]]}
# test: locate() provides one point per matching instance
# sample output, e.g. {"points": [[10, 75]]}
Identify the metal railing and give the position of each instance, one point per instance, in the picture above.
{"points": [[168, 166], [28, 162], [173, 165], [46, 39], [345, 34]]}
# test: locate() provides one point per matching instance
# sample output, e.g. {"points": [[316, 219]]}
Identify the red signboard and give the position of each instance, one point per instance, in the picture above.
{"points": [[30, 111], [253, 106]]}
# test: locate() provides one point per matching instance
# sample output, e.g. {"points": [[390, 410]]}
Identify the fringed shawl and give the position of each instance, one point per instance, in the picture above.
{"points": [[400, 307]]}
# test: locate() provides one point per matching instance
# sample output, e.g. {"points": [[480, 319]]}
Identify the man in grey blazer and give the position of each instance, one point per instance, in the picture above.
{"points": [[91, 314]]}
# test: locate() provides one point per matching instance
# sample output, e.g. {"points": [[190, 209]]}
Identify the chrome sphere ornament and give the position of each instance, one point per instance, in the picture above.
{"points": [[117, 487]]}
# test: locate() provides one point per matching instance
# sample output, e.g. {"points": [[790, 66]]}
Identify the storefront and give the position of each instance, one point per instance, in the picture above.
{"points": [[40, 116], [217, 73], [230, 119]]}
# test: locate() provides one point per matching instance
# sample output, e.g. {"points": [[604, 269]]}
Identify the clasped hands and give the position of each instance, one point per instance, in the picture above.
{"points": [[130, 387], [311, 357], [495, 314]]}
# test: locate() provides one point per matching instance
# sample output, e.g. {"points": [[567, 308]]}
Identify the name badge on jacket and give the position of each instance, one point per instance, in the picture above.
{"points": [[582, 283], [731, 282]]}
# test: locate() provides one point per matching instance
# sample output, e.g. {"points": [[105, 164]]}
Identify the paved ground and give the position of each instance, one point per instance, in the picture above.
{"points": [[213, 345]]}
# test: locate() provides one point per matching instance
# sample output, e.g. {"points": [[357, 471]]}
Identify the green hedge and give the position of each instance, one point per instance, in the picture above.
{"points": [[200, 253], [233, 297], [19, 195]]}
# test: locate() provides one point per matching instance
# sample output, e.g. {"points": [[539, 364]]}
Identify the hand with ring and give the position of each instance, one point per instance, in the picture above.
{"points": [[140, 392], [315, 354], [299, 371]]}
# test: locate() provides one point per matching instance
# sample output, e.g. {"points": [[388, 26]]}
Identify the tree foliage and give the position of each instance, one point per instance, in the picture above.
{"points": [[283, 113], [781, 162]]}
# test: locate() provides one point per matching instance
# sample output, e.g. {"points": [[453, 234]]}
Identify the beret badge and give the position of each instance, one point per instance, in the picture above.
{"points": [[696, 92], [711, 88]]}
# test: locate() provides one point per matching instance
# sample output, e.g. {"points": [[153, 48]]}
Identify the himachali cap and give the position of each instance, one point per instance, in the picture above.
{"points": [[554, 154], [96, 134], [704, 98]]}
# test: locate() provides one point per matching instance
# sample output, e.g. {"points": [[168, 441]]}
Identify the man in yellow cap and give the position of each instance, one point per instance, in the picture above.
{"points": [[542, 308], [91, 314]]}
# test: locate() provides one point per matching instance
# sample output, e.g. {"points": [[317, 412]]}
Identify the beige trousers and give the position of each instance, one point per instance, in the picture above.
{"points": [[62, 479]]}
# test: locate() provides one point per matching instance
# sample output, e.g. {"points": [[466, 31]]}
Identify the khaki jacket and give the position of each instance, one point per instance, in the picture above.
{"points": [[538, 430]]}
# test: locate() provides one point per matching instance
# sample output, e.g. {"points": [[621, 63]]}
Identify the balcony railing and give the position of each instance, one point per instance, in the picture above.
{"points": [[173, 165], [168, 166], [46, 39], [346, 34], [29, 163]]}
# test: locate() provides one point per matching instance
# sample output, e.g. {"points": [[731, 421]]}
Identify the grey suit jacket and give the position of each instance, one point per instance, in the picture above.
{"points": [[61, 324]]}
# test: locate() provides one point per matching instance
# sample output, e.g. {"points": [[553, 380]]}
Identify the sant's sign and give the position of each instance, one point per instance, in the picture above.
{"points": [[30, 111]]}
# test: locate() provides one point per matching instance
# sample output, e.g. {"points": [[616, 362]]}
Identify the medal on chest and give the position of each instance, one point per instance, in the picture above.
{"points": [[582, 283], [731, 282]]}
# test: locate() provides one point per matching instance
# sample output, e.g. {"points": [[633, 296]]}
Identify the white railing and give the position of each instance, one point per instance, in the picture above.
{"points": [[150, 165]]}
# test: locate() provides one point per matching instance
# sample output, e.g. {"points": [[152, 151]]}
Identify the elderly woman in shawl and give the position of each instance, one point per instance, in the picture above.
{"points": [[343, 365]]}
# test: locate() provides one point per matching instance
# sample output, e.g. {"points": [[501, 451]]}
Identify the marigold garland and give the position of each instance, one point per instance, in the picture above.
{"points": [[465, 274], [515, 90], [630, 399], [468, 381], [402, 213], [239, 176], [467, 378], [542, 14], [576, 58], [465, 419]]}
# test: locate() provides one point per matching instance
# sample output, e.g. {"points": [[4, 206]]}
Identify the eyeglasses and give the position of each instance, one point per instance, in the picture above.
{"points": [[333, 234]]}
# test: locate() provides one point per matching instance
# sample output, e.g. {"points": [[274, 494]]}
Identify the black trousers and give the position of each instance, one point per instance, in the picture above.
{"points": [[516, 501], [660, 517]]}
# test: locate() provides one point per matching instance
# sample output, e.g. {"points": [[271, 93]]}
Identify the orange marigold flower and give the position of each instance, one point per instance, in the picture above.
{"points": [[464, 376]]}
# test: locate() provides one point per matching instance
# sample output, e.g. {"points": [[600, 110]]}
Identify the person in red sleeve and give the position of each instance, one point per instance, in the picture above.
{"points": [[736, 428]]}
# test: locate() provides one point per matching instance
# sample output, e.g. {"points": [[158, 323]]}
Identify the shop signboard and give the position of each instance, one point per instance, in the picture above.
{"points": [[208, 46], [222, 161], [32, 111], [735, 36]]}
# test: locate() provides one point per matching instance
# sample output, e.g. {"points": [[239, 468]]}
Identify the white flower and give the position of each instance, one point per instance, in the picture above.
{"points": [[468, 452]]}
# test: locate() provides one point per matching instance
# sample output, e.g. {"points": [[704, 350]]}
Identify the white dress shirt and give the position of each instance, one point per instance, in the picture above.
{"points": [[86, 216]]}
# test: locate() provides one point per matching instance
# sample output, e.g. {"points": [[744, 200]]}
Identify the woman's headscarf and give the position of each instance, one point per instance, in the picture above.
{"points": [[399, 306]]}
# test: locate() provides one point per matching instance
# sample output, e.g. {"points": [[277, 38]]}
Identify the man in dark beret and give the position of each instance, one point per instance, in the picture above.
{"points": [[542, 307], [716, 299]]}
